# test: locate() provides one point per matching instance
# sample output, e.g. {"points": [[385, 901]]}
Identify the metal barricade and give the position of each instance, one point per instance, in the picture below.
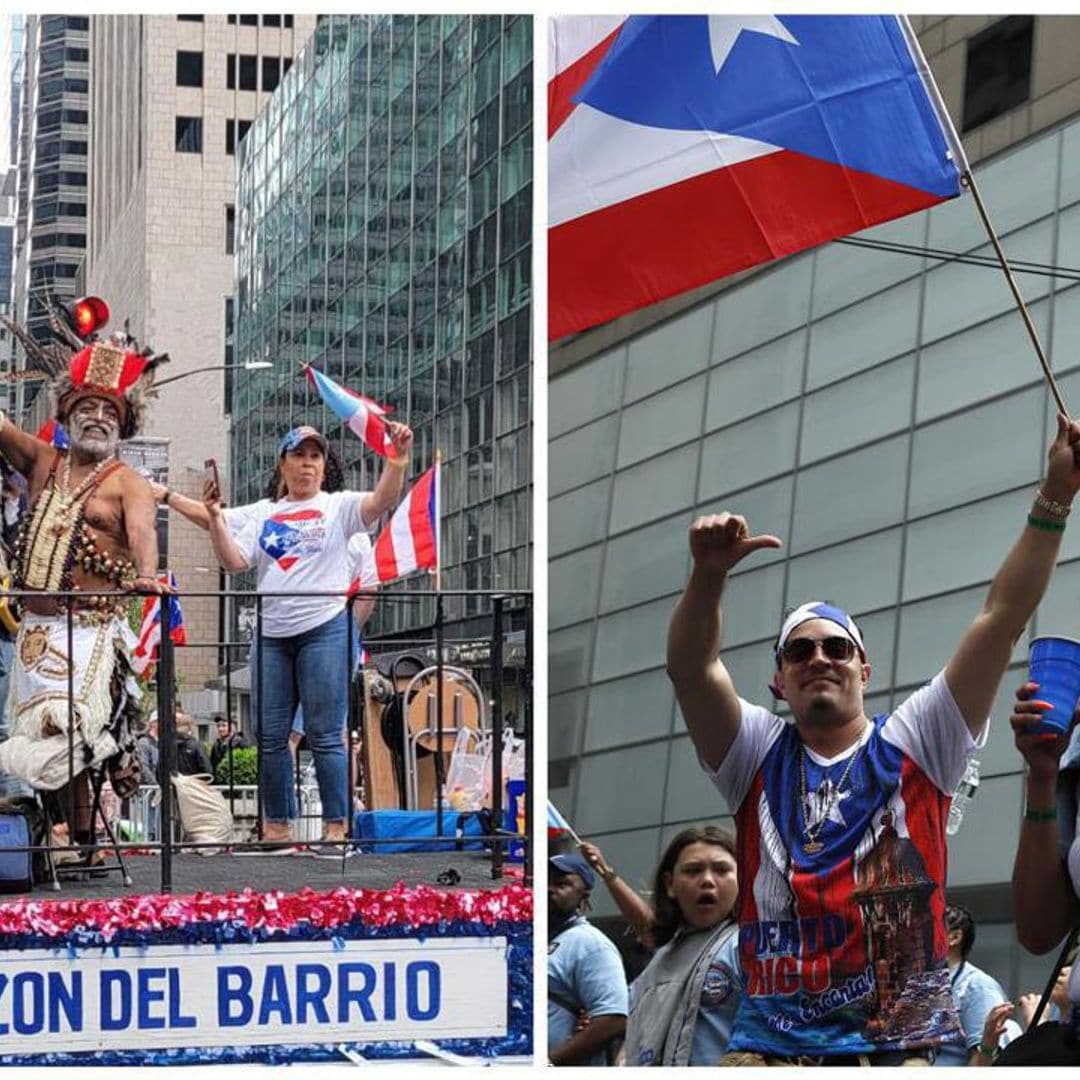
{"points": [[143, 821]]}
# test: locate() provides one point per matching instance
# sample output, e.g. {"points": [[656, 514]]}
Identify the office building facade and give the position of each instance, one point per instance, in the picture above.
{"points": [[170, 98], [51, 188], [384, 213], [883, 413]]}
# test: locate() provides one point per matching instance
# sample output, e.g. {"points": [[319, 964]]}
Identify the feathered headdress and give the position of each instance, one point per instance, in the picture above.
{"points": [[114, 367]]}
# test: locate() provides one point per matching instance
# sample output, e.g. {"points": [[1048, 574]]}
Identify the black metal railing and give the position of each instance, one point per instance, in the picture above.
{"points": [[486, 656]]}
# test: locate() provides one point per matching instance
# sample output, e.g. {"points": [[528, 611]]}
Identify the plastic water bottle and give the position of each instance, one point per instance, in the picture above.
{"points": [[965, 792]]}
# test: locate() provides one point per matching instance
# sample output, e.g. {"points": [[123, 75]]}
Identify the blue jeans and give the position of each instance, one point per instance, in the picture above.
{"points": [[308, 669], [297, 726]]}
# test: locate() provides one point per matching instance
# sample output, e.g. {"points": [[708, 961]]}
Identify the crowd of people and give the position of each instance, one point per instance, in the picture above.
{"points": [[823, 934], [81, 529]]}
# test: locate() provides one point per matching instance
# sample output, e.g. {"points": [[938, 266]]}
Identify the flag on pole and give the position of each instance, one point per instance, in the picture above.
{"points": [[52, 432], [144, 654], [411, 541], [557, 825], [362, 416], [685, 148]]}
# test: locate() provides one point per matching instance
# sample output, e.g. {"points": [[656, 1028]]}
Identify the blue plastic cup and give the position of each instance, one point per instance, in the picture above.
{"points": [[1054, 663]]}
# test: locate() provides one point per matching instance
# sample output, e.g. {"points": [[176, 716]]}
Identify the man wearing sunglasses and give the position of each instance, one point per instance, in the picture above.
{"points": [[841, 817]]}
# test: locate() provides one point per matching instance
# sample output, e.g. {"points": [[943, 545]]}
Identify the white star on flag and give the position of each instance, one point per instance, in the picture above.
{"points": [[724, 31], [824, 804]]}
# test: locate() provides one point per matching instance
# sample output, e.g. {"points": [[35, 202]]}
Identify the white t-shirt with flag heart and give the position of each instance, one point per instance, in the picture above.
{"points": [[300, 547]]}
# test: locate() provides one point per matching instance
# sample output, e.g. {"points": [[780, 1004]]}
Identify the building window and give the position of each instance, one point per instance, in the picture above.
{"points": [[230, 71], [189, 68], [234, 132], [249, 20], [249, 72], [230, 229], [286, 63], [189, 18], [230, 19], [271, 20], [998, 76], [228, 353], [271, 73], [189, 134], [288, 22]]}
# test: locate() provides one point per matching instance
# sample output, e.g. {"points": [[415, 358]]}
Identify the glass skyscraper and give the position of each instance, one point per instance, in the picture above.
{"points": [[384, 208]]}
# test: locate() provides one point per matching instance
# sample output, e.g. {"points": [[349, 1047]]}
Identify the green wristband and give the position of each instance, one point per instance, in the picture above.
{"points": [[1045, 524], [1040, 815], [987, 1052]]}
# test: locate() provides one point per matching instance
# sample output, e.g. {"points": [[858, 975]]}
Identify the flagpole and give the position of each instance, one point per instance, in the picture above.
{"points": [[968, 180], [440, 775], [438, 521]]}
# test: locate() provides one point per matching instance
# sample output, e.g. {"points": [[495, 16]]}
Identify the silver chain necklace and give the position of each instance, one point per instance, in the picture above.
{"points": [[811, 844]]}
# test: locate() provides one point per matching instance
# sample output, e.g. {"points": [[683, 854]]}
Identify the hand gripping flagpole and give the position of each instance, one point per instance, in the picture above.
{"points": [[968, 180]]}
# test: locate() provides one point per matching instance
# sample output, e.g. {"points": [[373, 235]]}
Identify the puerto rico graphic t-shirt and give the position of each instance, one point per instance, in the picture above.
{"points": [[299, 547], [842, 944]]}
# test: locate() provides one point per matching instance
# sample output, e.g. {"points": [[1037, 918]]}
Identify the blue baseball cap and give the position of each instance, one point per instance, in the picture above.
{"points": [[301, 434], [573, 863]]}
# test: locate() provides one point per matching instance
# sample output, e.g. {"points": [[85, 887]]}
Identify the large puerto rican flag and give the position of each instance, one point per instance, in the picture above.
{"points": [[684, 148], [411, 541]]}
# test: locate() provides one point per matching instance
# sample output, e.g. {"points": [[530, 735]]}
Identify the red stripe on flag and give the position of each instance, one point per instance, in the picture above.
{"points": [[563, 87], [375, 431], [621, 258], [385, 559], [420, 523]]}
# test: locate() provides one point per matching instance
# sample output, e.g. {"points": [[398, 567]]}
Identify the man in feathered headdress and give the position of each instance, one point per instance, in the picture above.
{"points": [[89, 529]]}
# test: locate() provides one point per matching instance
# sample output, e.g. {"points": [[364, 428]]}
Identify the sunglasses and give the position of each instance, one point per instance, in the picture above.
{"points": [[799, 650]]}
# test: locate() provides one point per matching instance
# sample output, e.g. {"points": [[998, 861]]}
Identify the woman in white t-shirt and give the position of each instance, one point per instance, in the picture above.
{"points": [[298, 544]]}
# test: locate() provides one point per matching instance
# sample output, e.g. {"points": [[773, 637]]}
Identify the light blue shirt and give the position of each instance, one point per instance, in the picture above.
{"points": [[584, 967], [975, 994], [719, 1003]]}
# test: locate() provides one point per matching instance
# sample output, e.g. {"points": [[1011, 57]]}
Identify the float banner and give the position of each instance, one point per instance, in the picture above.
{"points": [[313, 992], [270, 977]]}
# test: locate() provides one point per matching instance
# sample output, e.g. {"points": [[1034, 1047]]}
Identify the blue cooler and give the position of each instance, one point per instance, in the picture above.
{"points": [[417, 830], [16, 867]]}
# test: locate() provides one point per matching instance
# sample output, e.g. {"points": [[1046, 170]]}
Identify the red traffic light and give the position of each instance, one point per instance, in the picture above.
{"points": [[89, 314]]}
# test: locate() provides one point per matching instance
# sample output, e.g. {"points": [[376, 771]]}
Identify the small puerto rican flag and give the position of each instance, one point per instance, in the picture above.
{"points": [[362, 416], [557, 825], [144, 655], [411, 541]]}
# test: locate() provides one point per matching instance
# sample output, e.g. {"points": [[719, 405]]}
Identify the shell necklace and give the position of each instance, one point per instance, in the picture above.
{"points": [[67, 499]]}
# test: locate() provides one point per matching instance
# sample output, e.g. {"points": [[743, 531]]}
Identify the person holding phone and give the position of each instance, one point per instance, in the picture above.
{"points": [[297, 540]]}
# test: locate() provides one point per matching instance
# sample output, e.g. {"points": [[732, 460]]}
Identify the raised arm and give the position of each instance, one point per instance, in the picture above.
{"points": [[635, 909], [191, 509], [976, 668], [225, 548], [703, 687], [18, 447], [1043, 899], [392, 481]]}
